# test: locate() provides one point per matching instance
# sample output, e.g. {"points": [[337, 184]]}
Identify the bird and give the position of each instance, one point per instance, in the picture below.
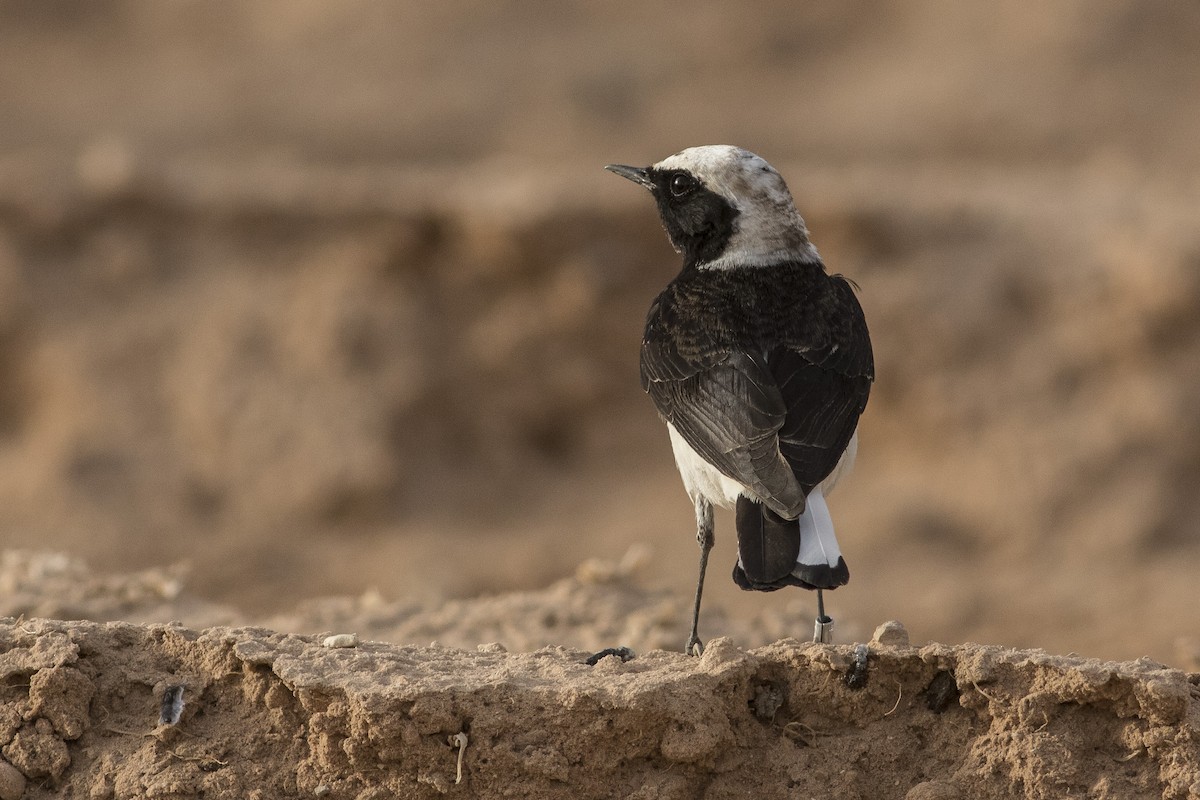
{"points": [[760, 362]]}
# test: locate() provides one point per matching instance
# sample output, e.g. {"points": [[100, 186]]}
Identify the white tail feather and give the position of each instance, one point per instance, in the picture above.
{"points": [[818, 544]]}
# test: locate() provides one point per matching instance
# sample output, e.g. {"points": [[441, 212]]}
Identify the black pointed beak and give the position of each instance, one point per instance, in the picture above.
{"points": [[636, 174]]}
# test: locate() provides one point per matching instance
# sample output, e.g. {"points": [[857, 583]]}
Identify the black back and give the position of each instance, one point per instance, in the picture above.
{"points": [[764, 371]]}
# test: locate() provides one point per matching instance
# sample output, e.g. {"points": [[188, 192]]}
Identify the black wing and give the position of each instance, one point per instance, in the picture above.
{"points": [[728, 408], [774, 414], [825, 385]]}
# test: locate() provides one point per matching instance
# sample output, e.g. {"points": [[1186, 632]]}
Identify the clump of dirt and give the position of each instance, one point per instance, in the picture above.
{"points": [[267, 714]]}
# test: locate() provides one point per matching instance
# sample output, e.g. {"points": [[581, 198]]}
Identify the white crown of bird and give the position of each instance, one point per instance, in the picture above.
{"points": [[768, 229]]}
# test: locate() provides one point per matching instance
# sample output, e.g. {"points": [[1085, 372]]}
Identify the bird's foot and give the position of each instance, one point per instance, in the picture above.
{"points": [[694, 646]]}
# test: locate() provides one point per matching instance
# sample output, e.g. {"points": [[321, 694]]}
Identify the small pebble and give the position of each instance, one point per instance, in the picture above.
{"points": [[12, 782], [341, 640], [856, 675], [720, 650], [172, 705], [891, 634], [941, 692]]}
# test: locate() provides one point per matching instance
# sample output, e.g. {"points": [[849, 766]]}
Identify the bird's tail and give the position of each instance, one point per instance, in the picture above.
{"points": [[774, 552]]}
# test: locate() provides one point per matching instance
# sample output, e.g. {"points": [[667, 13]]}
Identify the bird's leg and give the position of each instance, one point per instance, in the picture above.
{"points": [[704, 537], [823, 628]]}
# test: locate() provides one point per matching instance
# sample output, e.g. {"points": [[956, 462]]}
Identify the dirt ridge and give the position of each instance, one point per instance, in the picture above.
{"points": [[280, 715]]}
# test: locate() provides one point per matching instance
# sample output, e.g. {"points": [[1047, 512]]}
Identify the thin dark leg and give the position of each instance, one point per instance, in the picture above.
{"points": [[823, 628], [705, 538]]}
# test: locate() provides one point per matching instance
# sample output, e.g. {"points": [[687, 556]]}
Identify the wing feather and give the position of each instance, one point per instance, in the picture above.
{"points": [[773, 411]]}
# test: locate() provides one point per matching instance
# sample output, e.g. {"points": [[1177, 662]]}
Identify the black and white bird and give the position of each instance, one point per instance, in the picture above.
{"points": [[760, 363]]}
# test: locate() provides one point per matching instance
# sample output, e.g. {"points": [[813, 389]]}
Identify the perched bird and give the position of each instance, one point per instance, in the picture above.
{"points": [[760, 363]]}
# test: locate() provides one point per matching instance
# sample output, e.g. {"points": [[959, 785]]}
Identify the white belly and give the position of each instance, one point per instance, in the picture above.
{"points": [[702, 479]]}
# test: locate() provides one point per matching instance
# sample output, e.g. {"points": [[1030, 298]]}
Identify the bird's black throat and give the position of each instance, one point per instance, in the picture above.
{"points": [[699, 222]]}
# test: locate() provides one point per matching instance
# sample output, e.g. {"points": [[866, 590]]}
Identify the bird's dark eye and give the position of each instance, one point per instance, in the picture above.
{"points": [[682, 183]]}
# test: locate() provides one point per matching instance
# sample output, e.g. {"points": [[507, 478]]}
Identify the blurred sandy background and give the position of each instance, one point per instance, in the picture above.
{"points": [[319, 297]]}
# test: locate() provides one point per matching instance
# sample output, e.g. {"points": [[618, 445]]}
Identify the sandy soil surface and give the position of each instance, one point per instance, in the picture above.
{"points": [[324, 318], [121, 710]]}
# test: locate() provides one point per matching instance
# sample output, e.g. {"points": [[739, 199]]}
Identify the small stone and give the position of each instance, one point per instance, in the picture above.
{"points": [[12, 782], [720, 651], [856, 675], [341, 640], [941, 692], [891, 634], [171, 706], [768, 699]]}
